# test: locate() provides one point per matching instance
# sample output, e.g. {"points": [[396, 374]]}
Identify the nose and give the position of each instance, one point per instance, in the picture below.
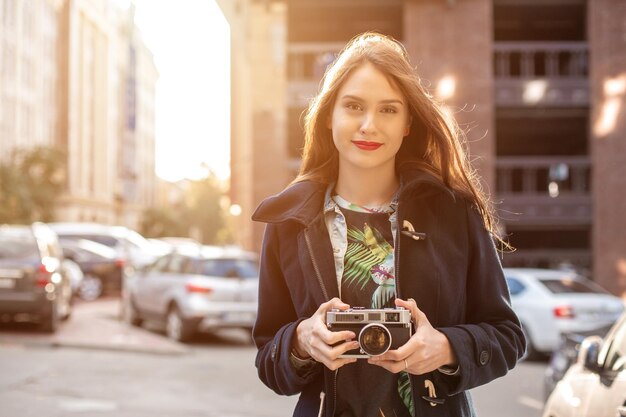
{"points": [[368, 124]]}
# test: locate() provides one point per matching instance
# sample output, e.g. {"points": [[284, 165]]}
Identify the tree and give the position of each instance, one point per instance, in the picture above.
{"points": [[206, 216], [31, 182], [199, 214]]}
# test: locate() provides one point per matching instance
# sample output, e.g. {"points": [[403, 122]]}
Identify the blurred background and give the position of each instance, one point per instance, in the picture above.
{"points": [[137, 137]]}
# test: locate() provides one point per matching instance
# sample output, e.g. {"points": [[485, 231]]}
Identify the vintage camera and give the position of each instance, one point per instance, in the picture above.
{"points": [[377, 330]]}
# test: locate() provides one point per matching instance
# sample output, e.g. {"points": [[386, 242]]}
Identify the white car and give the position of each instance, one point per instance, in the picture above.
{"points": [[194, 289], [133, 247], [595, 386], [551, 302]]}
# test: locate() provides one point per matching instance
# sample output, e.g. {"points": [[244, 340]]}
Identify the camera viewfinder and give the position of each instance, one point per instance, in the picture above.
{"points": [[392, 317]]}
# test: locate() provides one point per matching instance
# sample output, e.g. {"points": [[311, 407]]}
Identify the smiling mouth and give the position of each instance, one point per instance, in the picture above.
{"points": [[367, 146]]}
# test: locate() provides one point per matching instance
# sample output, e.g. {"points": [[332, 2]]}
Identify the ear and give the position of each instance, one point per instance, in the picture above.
{"points": [[407, 129]]}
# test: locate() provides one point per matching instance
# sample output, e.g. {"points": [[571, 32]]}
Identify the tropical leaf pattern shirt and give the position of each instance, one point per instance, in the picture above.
{"points": [[368, 281]]}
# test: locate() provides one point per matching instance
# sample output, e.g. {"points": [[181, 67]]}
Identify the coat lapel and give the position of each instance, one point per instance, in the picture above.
{"points": [[317, 260]]}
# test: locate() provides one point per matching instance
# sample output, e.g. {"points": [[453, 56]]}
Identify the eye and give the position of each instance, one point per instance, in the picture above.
{"points": [[389, 110], [354, 106]]}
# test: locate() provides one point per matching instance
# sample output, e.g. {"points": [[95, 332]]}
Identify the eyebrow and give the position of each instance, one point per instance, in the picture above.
{"points": [[390, 101]]}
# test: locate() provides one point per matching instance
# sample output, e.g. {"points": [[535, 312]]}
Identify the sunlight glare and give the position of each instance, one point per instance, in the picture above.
{"points": [[190, 40]]}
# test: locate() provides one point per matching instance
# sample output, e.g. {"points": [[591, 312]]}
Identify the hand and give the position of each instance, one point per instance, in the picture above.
{"points": [[427, 350], [313, 339]]}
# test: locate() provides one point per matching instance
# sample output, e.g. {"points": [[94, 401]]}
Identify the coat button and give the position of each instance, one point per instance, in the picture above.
{"points": [[484, 357]]}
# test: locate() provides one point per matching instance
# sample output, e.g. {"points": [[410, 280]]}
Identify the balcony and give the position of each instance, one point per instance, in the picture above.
{"points": [[544, 191], [541, 73]]}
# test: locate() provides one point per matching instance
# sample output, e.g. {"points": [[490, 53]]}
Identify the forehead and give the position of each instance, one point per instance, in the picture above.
{"points": [[367, 81]]}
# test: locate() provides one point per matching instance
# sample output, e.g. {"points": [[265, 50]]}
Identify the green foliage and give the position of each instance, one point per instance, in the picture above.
{"points": [[199, 214], [163, 221], [31, 183]]}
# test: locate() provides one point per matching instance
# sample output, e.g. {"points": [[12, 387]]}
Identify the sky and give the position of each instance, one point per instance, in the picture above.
{"points": [[190, 40]]}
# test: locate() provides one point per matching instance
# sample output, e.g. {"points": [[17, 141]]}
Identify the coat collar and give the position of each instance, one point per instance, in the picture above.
{"points": [[303, 201]]}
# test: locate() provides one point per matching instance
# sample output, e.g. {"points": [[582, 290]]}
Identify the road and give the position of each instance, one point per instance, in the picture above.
{"points": [[214, 376]]}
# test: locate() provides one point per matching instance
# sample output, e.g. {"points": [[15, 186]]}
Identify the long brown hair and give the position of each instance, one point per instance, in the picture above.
{"points": [[435, 142]]}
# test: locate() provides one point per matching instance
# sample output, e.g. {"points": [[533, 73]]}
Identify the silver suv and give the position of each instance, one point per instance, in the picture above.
{"points": [[194, 289]]}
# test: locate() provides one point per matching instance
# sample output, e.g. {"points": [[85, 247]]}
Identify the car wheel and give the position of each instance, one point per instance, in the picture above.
{"points": [[90, 288], [50, 322], [176, 327], [131, 314]]}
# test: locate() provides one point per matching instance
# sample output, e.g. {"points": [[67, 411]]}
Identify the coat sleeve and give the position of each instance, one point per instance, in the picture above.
{"points": [[276, 324], [490, 342]]}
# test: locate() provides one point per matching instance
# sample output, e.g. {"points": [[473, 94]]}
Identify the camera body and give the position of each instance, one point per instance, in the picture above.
{"points": [[377, 330]]}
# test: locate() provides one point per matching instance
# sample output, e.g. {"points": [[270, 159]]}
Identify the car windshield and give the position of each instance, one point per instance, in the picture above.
{"points": [[235, 268], [17, 243], [569, 286], [90, 248], [102, 239]]}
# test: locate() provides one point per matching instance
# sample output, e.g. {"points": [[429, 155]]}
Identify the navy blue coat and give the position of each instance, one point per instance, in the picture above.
{"points": [[454, 275]]}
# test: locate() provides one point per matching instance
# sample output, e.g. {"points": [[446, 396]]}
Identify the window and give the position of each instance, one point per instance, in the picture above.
{"points": [[515, 287], [616, 355], [570, 286], [178, 264], [161, 264], [230, 268]]}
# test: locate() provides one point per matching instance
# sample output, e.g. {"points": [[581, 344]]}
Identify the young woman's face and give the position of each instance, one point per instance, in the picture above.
{"points": [[369, 120]]}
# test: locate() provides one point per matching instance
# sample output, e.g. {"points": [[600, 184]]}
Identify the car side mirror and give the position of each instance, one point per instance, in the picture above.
{"points": [[589, 354]]}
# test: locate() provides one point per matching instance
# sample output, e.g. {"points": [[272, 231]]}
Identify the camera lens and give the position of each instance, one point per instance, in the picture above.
{"points": [[374, 339]]}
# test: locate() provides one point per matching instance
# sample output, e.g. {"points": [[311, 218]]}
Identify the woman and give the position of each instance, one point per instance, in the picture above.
{"points": [[385, 212]]}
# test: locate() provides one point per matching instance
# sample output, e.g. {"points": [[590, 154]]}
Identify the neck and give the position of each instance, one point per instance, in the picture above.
{"points": [[367, 188]]}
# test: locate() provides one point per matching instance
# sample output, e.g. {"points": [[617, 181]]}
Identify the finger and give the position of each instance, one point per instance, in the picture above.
{"points": [[330, 338], [331, 353], [333, 303], [418, 316], [390, 365], [336, 364]]}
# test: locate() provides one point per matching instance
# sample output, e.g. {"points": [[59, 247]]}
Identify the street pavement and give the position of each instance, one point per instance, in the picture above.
{"points": [[93, 325], [212, 376]]}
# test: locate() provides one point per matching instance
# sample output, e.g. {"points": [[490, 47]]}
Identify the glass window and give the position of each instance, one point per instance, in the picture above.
{"points": [[178, 264], [616, 355], [569, 286], [230, 268], [515, 287], [17, 243], [161, 264]]}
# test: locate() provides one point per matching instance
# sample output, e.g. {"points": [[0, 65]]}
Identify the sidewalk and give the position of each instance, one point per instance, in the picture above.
{"points": [[94, 325]]}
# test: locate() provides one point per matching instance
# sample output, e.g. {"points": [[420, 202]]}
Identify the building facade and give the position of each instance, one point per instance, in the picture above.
{"points": [[77, 76], [537, 85], [29, 35]]}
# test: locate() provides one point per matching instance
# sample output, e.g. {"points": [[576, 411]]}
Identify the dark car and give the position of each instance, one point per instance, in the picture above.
{"points": [[32, 283], [565, 355], [102, 266]]}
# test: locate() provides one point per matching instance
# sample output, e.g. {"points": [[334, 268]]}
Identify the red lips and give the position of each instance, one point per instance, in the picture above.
{"points": [[367, 146]]}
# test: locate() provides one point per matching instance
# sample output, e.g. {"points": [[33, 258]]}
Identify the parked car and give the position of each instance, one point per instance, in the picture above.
{"points": [[72, 270], [595, 386], [195, 289], [33, 285], [565, 355], [102, 267], [133, 247], [552, 302]]}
